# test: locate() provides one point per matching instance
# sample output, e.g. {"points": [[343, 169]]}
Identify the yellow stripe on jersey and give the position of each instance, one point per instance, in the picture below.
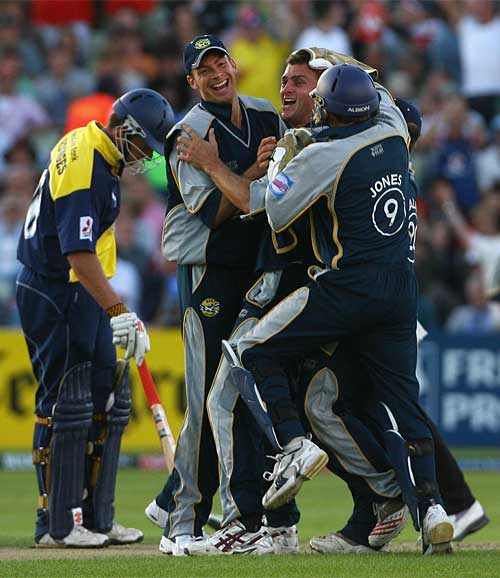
{"points": [[106, 253], [72, 159]]}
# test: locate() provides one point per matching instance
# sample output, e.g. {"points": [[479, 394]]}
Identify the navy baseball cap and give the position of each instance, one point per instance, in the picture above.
{"points": [[198, 47], [410, 112]]}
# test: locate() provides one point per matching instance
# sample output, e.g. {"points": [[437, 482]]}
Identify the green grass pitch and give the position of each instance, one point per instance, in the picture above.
{"points": [[325, 505]]}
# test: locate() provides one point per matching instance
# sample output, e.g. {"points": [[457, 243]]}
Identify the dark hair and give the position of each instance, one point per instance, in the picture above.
{"points": [[299, 57], [414, 131], [114, 120], [302, 57]]}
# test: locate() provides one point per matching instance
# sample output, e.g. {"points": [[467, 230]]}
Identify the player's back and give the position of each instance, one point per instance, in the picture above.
{"points": [[365, 212], [74, 205]]}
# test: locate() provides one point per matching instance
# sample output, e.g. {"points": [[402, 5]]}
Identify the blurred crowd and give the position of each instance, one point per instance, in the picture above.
{"points": [[63, 63]]}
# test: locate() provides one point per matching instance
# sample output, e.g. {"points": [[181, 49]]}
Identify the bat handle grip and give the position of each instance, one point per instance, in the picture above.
{"points": [[148, 384]]}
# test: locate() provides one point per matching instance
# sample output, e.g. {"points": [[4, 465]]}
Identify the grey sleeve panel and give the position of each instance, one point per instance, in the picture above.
{"points": [[316, 170], [194, 185], [390, 114], [257, 195], [306, 177], [185, 237]]}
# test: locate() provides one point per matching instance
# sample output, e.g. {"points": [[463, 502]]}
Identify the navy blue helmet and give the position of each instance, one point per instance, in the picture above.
{"points": [[344, 90], [146, 113]]}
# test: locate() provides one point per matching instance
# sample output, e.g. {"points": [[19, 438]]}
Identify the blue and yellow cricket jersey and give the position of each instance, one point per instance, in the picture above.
{"points": [[75, 205]]}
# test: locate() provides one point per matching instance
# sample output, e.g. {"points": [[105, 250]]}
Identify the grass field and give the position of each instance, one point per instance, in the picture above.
{"points": [[325, 504]]}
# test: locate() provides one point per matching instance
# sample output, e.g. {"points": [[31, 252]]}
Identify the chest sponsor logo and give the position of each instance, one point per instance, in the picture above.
{"points": [[86, 228], [210, 307], [281, 185]]}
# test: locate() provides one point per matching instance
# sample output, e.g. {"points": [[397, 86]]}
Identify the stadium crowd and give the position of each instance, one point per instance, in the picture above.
{"points": [[63, 64]]}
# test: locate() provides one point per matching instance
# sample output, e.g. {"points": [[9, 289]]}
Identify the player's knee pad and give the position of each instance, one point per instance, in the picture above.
{"points": [[71, 420], [105, 451]]}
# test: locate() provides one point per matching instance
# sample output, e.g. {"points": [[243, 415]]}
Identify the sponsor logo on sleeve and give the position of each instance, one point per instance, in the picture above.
{"points": [[280, 185], [86, 228]]}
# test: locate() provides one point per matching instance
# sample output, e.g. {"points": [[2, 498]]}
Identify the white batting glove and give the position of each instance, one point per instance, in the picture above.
{"points": [[130, 334]]}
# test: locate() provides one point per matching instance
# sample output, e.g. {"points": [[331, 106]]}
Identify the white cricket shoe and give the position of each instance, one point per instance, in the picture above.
{"points": [[234, 539], [157, 515], [178, 546], [79, 537], [285, 539], [437, 531], [468, 521], [335, 543], [119, 535], [392, 516], [293, 467]]}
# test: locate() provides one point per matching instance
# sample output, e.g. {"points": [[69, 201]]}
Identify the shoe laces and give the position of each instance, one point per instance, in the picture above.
{"points": [[270, 476]]}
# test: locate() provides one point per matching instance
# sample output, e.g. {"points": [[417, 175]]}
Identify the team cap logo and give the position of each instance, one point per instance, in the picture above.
{"points": [[202, 43]]}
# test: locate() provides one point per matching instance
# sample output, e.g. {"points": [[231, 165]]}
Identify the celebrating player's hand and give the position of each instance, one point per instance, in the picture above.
{"points": [[196, 151], [265, 151], [130, 334]]}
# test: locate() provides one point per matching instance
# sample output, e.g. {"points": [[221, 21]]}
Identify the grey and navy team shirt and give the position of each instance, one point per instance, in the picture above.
{"points": [[189, 236], [354, 184]]}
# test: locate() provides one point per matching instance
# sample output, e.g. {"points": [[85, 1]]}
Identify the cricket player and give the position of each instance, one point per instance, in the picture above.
{"points": [[281, 270], [215, 252], [239, 498], [357, 195], [72, 318]]}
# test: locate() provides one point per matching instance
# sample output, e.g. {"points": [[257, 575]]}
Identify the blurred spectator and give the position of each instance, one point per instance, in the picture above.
{"points": [[259, 58], [21, 153], [124, 56], [170, 80], [12, 212], [481, 241], [327, 31], [455, 154], [14, 32], [62, 83], [20, 114], [54, 18], [478, 316], [95, 106], [148, 210], [439, 271], [478, 30], [146, 284], [488, 160], [74, 58]]}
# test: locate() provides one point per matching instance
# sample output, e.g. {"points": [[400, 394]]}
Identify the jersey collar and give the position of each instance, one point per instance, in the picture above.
{"points": [[105, 145], [345, 131]]}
